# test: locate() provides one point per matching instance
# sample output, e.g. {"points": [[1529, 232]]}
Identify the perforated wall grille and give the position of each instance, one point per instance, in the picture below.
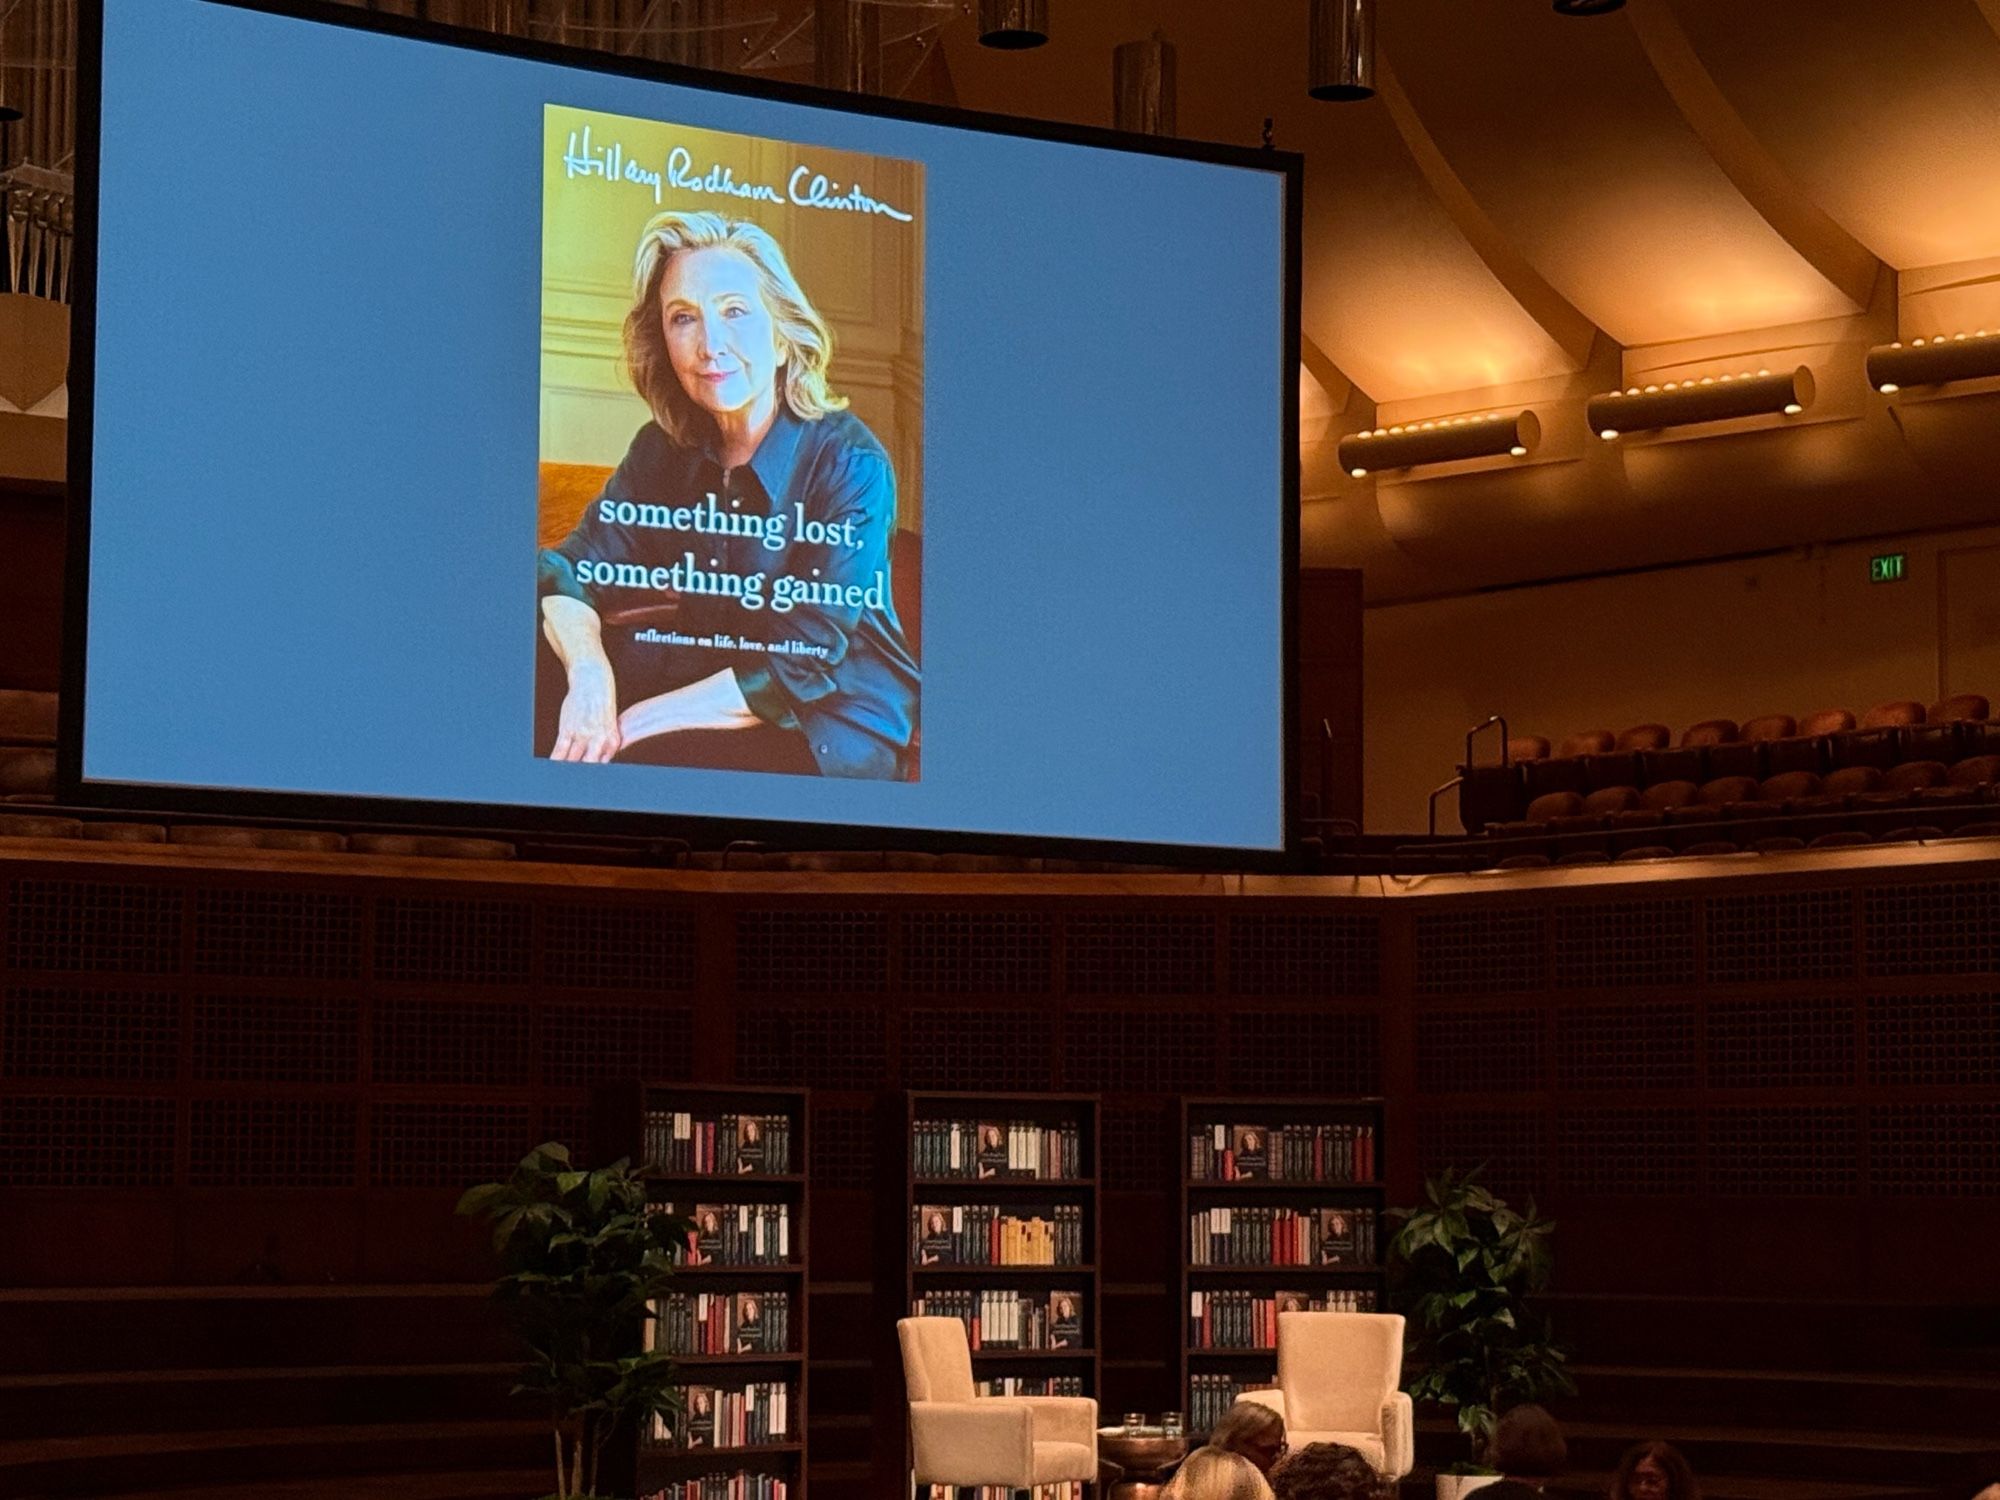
{"points": [[1623, 944], [588, 1044], [1603, 1047], [1304, 954], [1784, 1151], [1947, 928], [978, 952], [1781, 1043], [421, 1144], [1920, 1041], [568, 1125], [1140, 1153], [277, 934], [72, 1033], [271, 1143], [1139, 1051], [446, 941], [619, 947], [1484, 950], [1946, 1149], [812, 1046], [246, 1039], [93, 926], [75, 1141], [1303, 1052], [812, 952], [440, 1041], [1141, 953], [1481, 1051], [1628, 1152], [843, 1146], [1792, 935], [979, 1049], [1512, 1145]]}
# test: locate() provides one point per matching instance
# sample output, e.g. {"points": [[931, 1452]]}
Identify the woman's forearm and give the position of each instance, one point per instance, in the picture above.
{"points": [[713, 702], [575, 634]]}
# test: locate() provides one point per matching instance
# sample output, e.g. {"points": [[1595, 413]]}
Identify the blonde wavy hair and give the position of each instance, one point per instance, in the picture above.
{"points": [[801, 331], [1216, 1474]]}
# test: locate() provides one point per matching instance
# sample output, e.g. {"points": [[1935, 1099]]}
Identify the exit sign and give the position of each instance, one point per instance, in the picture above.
{"points": [[1888, 568]]}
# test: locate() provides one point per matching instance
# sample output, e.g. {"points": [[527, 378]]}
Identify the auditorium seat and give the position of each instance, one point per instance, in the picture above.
{"points": [[1787, 787], [1646, 851], [1725, 790], [429, 846], [1948, 729], [1846, 839], [1881, 738], [1921, 833], [1564, 771], [1977, 831], [1527, 747], [125, 833], [1609, 803], [1744, 756], [35, 826], [27, 771], [1778, 843], [1554, 805], [1621, 765], [1900, 784], [1524, 862], [299, 840], [1976, 770], [1585, 857], [29, 718], [1687, 761], [1805, 749], [1711, 847]]}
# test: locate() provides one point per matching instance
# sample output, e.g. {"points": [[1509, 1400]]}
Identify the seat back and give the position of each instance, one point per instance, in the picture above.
{"points": [[1895, 715], [1338, 1370], [1644, 737], [937, 1359], [1959, 706]]}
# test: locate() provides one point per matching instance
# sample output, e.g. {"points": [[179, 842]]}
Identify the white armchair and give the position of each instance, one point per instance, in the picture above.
{"points": [[1338, 1375], [961, 1438]]}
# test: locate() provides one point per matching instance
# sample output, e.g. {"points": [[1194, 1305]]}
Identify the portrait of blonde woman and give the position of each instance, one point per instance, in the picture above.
{"points": [[1215, 1474], [753, 506]]}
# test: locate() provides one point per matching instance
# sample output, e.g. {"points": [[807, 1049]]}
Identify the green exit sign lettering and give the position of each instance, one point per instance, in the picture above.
{"points": [[1888, 568]]}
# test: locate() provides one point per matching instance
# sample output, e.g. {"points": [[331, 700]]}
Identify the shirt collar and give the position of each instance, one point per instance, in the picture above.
{"points": [[777, 456]]}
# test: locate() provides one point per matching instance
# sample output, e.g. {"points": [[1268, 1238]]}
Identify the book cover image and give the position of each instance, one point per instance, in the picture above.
{"points": [[708, 1232], [934, 1246], [1065, 1320], [700, 1421], [1339, 1239], [1251, 1148], [729, 505], [750, 1145], [992, 1149], [750, 1325]]}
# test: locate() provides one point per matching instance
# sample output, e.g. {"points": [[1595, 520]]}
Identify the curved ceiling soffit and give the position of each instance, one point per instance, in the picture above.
{"points": [[1573, 145], [1887, 115]]}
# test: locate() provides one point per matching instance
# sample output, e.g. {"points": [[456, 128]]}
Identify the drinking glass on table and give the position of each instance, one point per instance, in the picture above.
{"points": [[1135, 1424]]}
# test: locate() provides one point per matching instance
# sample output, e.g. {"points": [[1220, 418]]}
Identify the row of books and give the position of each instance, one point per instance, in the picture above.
{"points": [[997, 1148], [720, 1323], [1249, 1320], [1030, 1385], [716, 1416], [1282, 1237], [737, 1486], [985, 1234], [736, 1234], [1286, 1153], [1209, 1396], [1072, 1490], [721, 1145], [1008, 1319]]}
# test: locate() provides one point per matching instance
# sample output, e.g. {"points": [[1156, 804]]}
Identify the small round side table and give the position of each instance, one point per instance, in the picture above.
{"points": [[1146, 1462]]}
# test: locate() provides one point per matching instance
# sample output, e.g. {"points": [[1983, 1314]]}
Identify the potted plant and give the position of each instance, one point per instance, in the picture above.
{"points": [[581, 1257], [1464, 1266]]}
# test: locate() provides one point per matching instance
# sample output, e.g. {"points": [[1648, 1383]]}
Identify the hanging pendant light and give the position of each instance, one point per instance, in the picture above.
{"points": [[1341, 60], [1588, 7], [1013, 25], [1142, 86]]}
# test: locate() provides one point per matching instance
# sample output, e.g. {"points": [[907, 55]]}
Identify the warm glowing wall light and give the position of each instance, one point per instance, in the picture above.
{"points": [[1712, 398], [1441, 440], [1957, 356]]}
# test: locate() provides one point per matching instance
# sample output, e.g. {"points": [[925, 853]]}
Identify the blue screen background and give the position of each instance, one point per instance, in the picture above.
{"points": [[315, 441]]}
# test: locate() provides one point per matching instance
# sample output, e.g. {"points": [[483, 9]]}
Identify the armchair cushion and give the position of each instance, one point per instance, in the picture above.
{"points": [[937, 1359], [974, 1442], [1338, 1370], [1061, 1419]]}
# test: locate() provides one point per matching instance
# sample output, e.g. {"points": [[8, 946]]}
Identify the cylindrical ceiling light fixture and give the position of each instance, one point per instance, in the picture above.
{"points": [[1588, 7], [847, 46], [1013, 24], [1958, 356], [1142, 86], [1712, 398], [1341, 50], [1442, 441]]}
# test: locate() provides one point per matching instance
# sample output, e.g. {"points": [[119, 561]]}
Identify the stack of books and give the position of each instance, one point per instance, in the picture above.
{"points": [[715, 1416], [997, 1148], [1249, 1320], [722, 1145], [1010, 1319], [1341, 1236], [1289, 1153], [735, 1234], [1209, 1396], [986, 1234], [720, 1323], [1030, 1385], [738, 1486]]}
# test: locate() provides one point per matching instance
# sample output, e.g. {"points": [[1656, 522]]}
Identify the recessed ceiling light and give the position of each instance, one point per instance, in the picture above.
{"points": [[1587, 7]]}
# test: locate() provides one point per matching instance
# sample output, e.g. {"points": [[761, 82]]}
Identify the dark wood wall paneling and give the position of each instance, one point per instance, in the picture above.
{"points": [[1763, 1086]]}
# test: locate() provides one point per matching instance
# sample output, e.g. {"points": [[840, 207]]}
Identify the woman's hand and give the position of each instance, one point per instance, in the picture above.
{"points": [[715, 702], [587, 728]]}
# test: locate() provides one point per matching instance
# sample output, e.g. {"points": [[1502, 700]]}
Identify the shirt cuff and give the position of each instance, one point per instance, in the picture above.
{"points": [[766, 699]]}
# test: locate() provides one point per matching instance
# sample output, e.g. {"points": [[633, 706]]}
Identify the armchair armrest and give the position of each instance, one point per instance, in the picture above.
{"points": [[973, 1442], [1399, 1435], [1062, 1419]]}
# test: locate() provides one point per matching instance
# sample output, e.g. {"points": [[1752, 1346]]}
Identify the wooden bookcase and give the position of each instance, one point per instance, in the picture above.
{"points": [[1255, 1362], [1083, 1363], [619, 1128]]}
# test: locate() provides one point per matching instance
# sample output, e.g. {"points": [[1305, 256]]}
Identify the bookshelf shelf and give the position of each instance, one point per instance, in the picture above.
{"points": [[707, 1125], [1016, 1134], [1330, 1202]]}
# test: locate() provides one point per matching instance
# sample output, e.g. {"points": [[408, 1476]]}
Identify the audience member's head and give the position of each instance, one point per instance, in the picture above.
{"points": [[1213, 1474], [1656, 1471], [1527, 1444], [1326, 1471], [1509, 1489], [1253, 1430]]}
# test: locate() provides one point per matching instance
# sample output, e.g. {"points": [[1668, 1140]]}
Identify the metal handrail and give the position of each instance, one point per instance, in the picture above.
{"points": [[1437, 792], [1480, 728]]}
